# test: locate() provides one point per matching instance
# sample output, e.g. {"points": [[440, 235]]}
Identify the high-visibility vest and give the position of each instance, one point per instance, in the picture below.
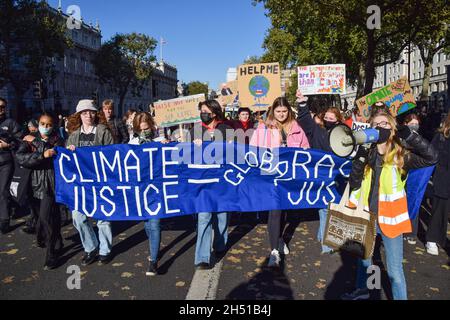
{"points": [[393, 217]]}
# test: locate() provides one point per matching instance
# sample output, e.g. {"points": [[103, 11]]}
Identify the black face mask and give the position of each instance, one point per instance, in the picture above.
{"points": [[206, 118], [328, 124], [384, 135]]}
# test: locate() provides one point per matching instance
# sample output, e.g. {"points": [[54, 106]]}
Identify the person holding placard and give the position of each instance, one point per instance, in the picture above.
{"points": [[379, 174], [144, 132], [212, 128], [318, 138], [281, 129], [86, 130]]}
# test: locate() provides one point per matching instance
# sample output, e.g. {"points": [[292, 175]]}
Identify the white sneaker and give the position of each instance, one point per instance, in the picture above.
{"points": [[282, 247], [274, 260], [432, 248]]}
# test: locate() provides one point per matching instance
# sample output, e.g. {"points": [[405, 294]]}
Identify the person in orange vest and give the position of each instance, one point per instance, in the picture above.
{"points": [[380, 173]]}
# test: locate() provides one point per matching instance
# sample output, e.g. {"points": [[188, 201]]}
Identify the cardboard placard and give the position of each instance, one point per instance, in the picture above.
{"points": [[178, 111], [322, 79], [397, 96], [231, 94], [259, 85]]}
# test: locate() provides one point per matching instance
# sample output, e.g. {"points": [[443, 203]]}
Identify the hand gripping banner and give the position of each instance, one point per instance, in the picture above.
{"points": [[154, 181]]}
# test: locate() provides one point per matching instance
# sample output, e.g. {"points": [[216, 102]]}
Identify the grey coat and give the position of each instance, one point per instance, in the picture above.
{"points": [[103, 137]]}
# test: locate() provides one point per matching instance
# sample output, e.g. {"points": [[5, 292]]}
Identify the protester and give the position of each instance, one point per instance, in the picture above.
{"points": [[37, 153], [279, 130], [33, 126], [10, 134], [128, 120], [144, 132], [212, 128], [117, 126], [386, 165], [437, 228], [413, 122], [318, 139], [243, 125], [85, 129], [62, 122]]}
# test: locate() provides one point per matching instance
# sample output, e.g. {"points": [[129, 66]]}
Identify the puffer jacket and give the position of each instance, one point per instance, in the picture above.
{"points": [[103, 137], [10, 132], [421, 154], [31, 156]]}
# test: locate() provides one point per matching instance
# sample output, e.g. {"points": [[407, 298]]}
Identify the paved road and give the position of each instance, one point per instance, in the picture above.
{"points": [[241, 274]]}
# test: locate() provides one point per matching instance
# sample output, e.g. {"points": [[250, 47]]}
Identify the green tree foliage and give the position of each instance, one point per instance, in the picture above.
{"points": [[433, 36], [197, 87], [308, 32], [252, 60], [125, 63], [30, 35]]}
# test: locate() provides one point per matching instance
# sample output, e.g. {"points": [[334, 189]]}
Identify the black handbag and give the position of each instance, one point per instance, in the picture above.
{"points": [[20, 188]]}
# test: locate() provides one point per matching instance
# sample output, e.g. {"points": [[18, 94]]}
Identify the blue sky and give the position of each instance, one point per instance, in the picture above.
{"points": [[204, 37]]}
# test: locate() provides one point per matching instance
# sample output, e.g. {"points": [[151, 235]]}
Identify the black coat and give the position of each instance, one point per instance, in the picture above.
{"points": [[421, 154], [317, 136], [10, 132], [200, 132], [31, 156], [441, 177]]}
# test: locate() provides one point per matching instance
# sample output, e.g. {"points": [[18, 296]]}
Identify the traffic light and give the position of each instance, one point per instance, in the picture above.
{"points": [[95, 97], [37, 89]]}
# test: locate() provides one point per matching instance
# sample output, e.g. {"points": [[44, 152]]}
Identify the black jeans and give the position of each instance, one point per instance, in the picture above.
{"points": [[6, 174], [275, 227], [48, 227], [437, 229]]}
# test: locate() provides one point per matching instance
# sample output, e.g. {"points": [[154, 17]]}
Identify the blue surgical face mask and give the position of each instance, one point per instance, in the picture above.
{"points": [[45, 131]]}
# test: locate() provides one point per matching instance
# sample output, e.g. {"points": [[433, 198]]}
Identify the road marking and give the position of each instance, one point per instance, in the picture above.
{"points": [[205, 283]]}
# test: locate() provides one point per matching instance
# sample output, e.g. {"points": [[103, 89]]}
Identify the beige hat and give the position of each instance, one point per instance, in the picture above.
{"points": [[84, 105]]}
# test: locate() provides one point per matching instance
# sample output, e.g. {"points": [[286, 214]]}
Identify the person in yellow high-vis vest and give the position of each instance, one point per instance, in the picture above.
{"points": [[380, 173]]}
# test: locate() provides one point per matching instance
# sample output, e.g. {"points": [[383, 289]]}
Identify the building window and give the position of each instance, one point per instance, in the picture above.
{"points": [[433, 87], [420, 75]]}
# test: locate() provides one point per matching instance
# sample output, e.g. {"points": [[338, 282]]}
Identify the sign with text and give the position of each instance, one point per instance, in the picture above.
{"points": [[397, 96], [359, 126], [322, 79], [126, 182], [178, 111], [259, 85]]}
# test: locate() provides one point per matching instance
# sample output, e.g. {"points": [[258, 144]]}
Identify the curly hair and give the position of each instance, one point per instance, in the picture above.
{"points": [[74, 122]]}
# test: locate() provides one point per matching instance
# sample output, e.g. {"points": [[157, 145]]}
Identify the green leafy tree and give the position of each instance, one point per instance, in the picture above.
{"points": [[30, 35], [197, 87], [125, 63], [433, 37], [307, 32], [252, 60]]}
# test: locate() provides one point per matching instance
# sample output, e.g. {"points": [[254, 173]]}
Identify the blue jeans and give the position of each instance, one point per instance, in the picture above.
{"points": [[206, 222], [87, 234], [321, 232], [394, 260], [153, 231]]}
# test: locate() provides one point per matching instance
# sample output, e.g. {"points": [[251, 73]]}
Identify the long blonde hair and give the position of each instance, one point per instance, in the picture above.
{"points": [[395, 154]]}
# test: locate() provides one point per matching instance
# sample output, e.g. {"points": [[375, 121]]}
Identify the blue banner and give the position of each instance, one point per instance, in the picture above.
{"points": [[416, 185], [155, 181]]}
